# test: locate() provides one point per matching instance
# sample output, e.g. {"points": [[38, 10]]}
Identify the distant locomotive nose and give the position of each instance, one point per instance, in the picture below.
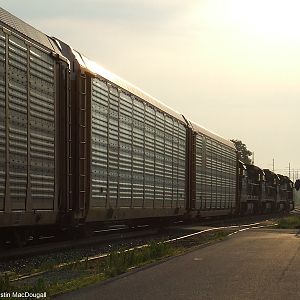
{"points": [[297, 184]]}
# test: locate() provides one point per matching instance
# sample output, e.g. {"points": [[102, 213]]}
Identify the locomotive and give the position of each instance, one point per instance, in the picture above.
{"points": [[80, 146]]}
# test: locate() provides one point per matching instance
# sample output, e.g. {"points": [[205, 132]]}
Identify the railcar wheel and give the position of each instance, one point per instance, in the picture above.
{"points": [[20, 238], [85, 232]]}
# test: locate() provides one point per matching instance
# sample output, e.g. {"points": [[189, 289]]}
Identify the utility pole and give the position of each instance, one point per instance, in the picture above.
{"points": [[253, 158], [293, 175], [273, 164], [289, 170]]}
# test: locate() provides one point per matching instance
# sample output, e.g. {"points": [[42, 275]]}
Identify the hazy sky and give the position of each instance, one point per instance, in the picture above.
{"points": [[232, 66]]}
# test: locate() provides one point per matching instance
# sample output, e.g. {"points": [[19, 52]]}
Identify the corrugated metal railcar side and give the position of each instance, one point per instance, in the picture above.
{"points": [[135, 150], [30, 143], [215, 174]]}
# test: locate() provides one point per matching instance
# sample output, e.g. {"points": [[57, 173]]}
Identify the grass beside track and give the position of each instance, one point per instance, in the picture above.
{"points": [[289, 222], [80, 274]]}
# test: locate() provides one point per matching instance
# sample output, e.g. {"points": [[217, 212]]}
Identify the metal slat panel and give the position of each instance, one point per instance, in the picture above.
{"points": [[200, 173], [113, 148], [31, 145], [17, 132], [42, 132], [99, 138], [138, 154], [218, 187], [2, 119], [141, 170]]}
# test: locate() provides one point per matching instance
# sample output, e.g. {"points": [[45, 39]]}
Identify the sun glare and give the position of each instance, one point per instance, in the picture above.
{"points": [[275, 19], [279, 19]]}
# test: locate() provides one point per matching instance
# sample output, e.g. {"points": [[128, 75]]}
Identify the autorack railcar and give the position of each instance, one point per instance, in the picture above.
{"points": [[213, 174], [33, 95], [129, 149]]}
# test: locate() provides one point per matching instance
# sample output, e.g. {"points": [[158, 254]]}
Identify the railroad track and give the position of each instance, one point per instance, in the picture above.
{"points": [[52, 243], [47, 244], [295, 211]]}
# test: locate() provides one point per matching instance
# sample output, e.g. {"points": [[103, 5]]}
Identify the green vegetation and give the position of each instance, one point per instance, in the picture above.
{"points": [[5, 284], [290, 222], [242, 149], [84, 273], [119, 262]]}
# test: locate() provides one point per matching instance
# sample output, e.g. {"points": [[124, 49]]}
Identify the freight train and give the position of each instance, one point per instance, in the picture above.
{"points": [[80, 146]]}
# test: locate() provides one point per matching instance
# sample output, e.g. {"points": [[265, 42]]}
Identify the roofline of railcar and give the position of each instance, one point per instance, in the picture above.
{"points": [[200, 129], [99, 71], [11, 24]]}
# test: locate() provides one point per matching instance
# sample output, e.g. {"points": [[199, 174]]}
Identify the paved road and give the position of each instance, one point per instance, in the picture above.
{"points": [[250, 265]]}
